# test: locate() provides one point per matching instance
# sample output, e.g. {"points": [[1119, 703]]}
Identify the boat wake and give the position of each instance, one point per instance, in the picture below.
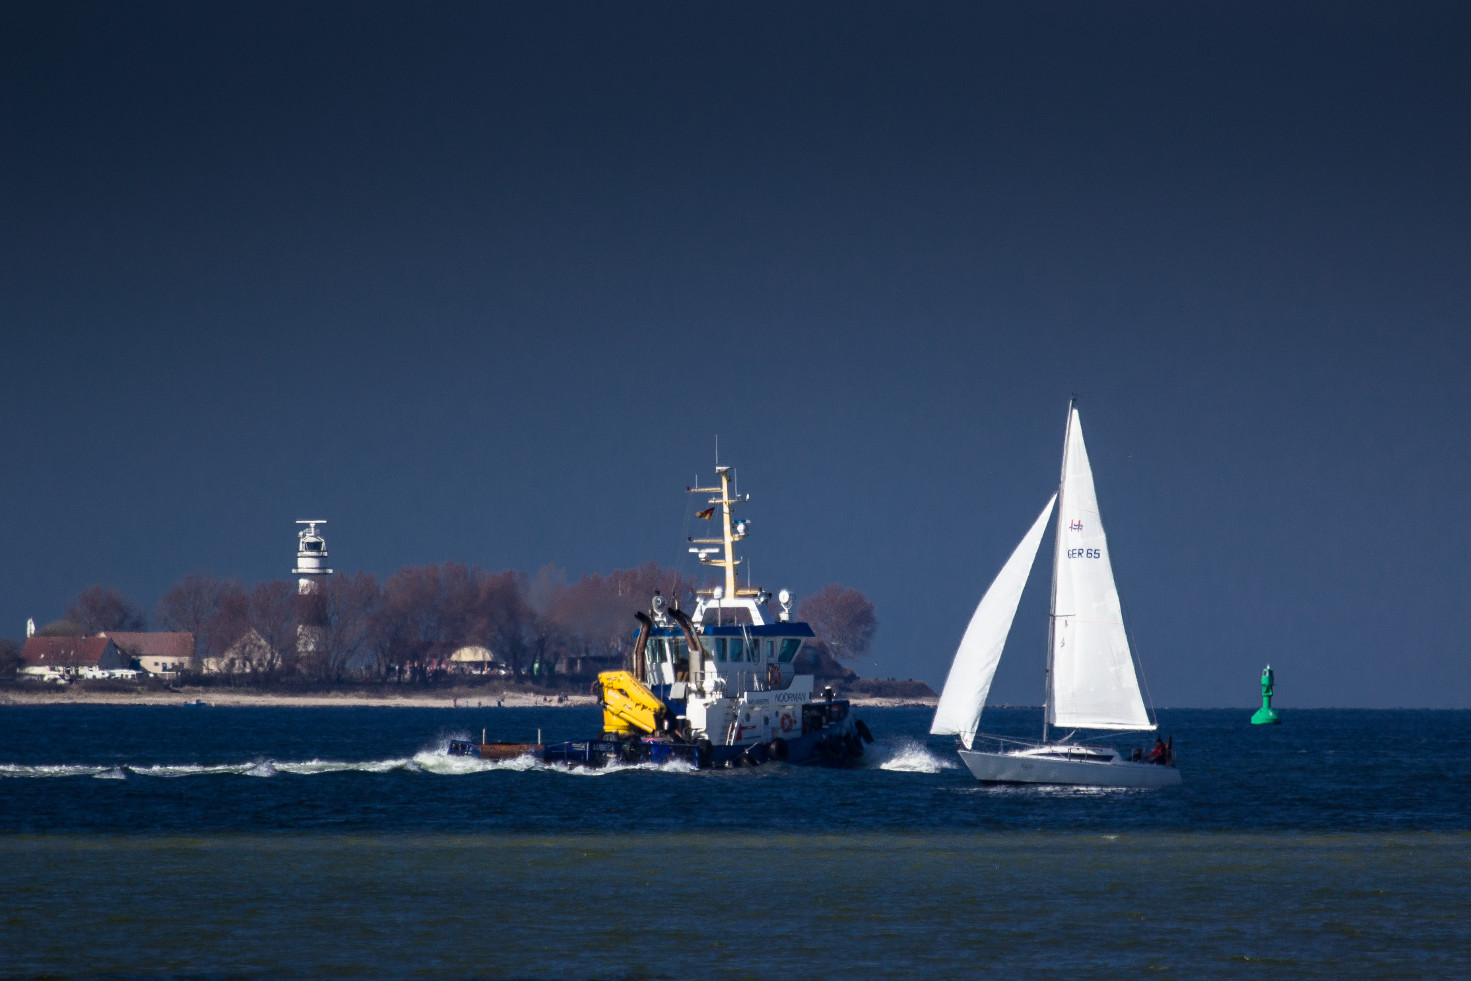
{"points": [[1049, 790], [435, 761], [909, 756]]}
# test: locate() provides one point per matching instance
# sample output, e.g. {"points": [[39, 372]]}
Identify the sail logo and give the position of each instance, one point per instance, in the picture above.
{"points": [[1075, 525]]}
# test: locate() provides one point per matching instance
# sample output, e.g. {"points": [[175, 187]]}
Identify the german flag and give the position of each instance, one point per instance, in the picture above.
{"points": [[707, 514]]}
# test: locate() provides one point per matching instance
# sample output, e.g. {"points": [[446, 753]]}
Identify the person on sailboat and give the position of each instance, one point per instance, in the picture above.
{"points": [[1159, 754]]}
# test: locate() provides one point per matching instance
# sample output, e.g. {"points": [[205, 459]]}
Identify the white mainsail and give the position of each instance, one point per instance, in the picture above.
{"points": [[969, 681], [1092, 684]]}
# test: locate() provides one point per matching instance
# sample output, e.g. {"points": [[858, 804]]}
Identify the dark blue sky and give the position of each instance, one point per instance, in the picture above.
{"points": [[483, 282]]}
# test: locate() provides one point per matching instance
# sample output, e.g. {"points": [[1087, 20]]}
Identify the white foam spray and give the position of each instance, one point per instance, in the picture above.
{"points": [[909, 756]]}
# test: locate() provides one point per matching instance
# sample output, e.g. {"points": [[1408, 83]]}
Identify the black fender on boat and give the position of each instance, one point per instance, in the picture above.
{"points": [[862, 729]]}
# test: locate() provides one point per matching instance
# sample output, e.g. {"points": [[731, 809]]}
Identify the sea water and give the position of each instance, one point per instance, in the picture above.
{"points": [[173, 842]]}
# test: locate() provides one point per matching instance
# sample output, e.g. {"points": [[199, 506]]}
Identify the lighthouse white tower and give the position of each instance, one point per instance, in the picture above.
{"points": [[311, 558]]}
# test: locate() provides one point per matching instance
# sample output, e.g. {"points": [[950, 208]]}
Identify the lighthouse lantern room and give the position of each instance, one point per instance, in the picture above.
{"points": [[311, 557]]}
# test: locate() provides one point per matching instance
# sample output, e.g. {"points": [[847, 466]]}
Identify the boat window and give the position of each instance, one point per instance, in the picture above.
{"points": [[720, 649], [770, 649], [789, 647], [735, 649]]}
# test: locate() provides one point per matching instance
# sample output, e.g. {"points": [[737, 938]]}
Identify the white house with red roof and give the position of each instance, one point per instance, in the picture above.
{"points": [[64, 658]]}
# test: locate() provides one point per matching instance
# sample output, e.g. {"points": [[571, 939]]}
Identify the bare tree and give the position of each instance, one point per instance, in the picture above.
{"points": [[10, 659], [98, 608], [342, 612], [274, 616], [506, 621], [593, 617], [425, 612], [842, 618], [192, 605], [226, 628]]}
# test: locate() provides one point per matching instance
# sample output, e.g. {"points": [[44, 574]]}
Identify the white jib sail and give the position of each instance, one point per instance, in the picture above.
{"points": [[1093, 681], [975, 661]]}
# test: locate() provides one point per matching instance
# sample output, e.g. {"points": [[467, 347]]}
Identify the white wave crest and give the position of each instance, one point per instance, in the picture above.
{"points": [[45, 770], [436, 762], [313, 767], [909, 756], [442, 764], [672, 766], [187, 769]]}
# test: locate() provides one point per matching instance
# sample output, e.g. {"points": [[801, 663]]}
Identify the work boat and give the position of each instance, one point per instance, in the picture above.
{"points": [[714, 687], [1090, 679]]}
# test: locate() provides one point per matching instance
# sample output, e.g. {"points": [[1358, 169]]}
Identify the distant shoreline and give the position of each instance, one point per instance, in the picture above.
{"points": [[226, 698]]}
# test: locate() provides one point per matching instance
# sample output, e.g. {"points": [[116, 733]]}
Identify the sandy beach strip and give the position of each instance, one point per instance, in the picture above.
{"points": [[225, 697], [258, 699]]}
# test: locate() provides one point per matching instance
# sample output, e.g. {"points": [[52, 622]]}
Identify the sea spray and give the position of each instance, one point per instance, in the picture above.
{"points": [[910, 756]]}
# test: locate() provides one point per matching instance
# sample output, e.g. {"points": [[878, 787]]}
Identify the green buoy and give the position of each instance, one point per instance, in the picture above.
{"points": [[1266, 715]]}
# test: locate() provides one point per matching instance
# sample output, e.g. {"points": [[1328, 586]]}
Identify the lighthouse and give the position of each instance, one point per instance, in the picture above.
{"points": [[311, 558]]}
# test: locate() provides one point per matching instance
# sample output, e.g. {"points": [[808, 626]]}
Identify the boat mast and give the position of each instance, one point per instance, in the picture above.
{"points": [[732, 531], [1056, 546]]}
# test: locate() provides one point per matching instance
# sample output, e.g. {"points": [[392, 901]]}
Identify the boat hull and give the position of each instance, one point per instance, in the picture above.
{"points": [[1028, 768], [837, 744]]}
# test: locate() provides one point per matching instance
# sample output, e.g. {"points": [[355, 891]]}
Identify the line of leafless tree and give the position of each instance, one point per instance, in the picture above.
{"points": [[406, 627]]}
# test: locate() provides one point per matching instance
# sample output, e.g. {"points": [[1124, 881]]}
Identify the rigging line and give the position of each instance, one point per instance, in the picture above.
{"points": [[1106, 736], [688, 563], [1138, 657]]}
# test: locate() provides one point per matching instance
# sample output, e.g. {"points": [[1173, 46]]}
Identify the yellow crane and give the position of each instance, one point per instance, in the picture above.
{"points": [[628, 706]]}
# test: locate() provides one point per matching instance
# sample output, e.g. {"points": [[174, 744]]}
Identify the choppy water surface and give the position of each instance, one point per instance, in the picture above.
{"points": [[211, 842]]}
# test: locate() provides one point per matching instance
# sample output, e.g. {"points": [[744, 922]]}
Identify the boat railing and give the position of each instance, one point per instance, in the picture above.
{"points": [[1001, 742]]}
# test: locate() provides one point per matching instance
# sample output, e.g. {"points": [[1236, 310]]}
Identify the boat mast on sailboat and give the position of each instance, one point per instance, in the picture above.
{"points": [[1052, 602]]}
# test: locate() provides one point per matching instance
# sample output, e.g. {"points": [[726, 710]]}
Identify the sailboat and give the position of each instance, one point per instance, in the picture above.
{"points": [[1090, 679]]}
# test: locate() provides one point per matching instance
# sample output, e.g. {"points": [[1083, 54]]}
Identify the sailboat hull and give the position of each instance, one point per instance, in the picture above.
{"points": [[1043, 767]]}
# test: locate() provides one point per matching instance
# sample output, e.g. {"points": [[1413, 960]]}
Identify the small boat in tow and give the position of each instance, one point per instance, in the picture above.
{"points": [[715, 688], [1091, 682]]}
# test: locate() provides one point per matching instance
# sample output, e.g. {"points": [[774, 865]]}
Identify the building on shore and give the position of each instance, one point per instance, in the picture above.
{"points": [[164, 654], [250, 654], [476, 659], [61, 659]]}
